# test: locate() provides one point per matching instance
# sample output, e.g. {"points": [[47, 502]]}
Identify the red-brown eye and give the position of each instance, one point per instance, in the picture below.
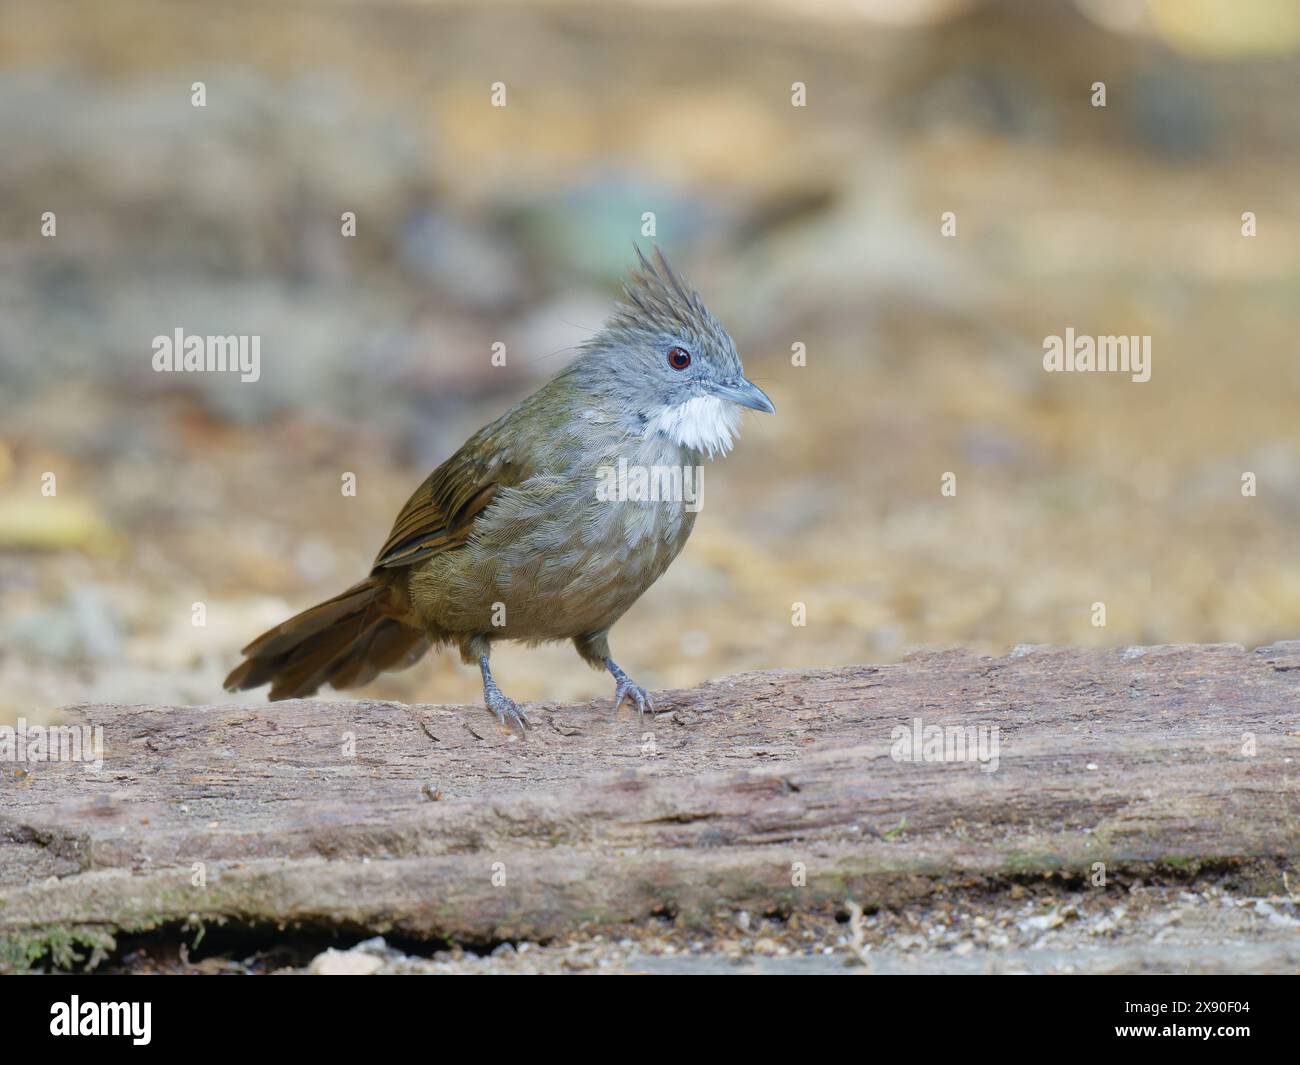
{"points": [[679, 358]]}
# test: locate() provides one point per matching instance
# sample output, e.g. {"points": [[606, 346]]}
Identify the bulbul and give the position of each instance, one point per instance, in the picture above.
{"points": [[512, 538]]}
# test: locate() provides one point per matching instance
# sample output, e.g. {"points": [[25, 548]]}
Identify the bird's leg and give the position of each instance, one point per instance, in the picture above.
{"points": [[594, 649], [498, 703], [626, 688]]}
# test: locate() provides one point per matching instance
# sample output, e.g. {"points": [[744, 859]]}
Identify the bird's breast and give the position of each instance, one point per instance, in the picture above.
{"points": [[569, 550]]}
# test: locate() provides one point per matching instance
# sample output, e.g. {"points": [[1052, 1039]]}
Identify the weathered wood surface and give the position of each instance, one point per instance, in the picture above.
{"points": [[443, 826]]}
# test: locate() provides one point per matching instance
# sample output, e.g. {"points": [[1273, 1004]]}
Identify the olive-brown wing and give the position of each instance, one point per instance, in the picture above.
{"points": [[440, 514]]}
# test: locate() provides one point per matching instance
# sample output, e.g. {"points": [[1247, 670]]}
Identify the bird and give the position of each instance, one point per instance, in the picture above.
{"points": [[525, 533]]}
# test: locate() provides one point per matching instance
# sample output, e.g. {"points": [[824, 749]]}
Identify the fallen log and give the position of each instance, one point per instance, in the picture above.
{"points": [[770, 792]]}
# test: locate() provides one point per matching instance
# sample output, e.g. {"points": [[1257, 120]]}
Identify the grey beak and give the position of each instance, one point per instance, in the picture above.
{"points": [[745, 393]]}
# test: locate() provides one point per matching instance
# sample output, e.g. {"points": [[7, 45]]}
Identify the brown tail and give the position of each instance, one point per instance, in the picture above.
{"points": [[345, 642]]}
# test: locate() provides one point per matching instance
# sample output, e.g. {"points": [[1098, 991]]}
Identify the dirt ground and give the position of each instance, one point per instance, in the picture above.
{"points": [[1038, 928], [817, 227]]}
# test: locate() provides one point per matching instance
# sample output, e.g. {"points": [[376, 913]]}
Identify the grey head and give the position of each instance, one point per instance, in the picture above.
{"points": [[670, 363]]}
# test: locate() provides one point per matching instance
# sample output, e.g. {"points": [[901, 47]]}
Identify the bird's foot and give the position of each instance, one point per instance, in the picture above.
{"points": [[508, 711], [626, 689]]}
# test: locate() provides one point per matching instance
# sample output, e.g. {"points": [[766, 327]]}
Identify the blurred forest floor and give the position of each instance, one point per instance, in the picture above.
{"points": [[816, 225]]}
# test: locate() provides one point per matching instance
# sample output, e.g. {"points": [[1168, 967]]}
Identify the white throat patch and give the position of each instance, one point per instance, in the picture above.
{"points": [[704, 423]]}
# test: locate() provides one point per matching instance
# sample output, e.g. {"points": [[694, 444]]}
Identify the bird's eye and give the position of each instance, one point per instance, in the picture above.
{"points": [[679, 358]]}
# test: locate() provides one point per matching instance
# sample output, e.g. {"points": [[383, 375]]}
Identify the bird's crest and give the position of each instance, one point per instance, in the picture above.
{"points": [[655, 294]]}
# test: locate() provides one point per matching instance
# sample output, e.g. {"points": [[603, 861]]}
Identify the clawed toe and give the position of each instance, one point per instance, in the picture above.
{"points": [[508, 711], [627, 691], [505, 708], [626, 688]]}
